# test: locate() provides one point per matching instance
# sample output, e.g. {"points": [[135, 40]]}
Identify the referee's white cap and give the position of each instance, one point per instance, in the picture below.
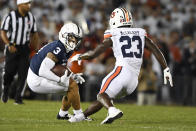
{"points": [[22, 1]]}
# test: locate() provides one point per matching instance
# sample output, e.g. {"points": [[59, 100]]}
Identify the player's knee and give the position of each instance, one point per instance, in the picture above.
{"points": [[65, 98], [102, 96], [7, 79], [99, 96]]}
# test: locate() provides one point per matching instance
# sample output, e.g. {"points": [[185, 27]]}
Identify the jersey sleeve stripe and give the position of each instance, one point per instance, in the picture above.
{"points": [[107, 36], [109, 80]]}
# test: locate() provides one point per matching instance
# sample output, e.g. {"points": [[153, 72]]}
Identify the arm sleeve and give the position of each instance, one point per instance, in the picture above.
{"points": [[5, 23], [34, 28], [45, 70]]}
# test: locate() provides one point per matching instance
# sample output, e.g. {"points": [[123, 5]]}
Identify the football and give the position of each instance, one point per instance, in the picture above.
{"points": [[59, 70], [73, 66]]}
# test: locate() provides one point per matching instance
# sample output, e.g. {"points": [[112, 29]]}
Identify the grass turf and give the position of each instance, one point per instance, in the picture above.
{"points": [[41, 116]]}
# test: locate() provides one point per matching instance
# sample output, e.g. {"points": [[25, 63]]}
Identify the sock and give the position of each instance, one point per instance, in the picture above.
{"points": [[76, 112], [62, 113]]}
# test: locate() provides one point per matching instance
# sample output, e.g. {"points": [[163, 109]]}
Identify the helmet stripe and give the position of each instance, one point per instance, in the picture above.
{"points": [[78, 29], [126, 14], [129, 13], [123, 13]]}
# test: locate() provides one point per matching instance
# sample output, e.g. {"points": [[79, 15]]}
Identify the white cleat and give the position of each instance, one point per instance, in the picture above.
{"points": [[113, 115], [77, 118]]}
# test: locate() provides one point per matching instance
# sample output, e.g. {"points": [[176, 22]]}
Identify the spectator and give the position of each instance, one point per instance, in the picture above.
{"points": [[147, 85], [190, 74]]}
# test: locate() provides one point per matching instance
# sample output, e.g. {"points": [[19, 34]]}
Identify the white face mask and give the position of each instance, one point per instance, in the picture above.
{"points": [[72, 45]]}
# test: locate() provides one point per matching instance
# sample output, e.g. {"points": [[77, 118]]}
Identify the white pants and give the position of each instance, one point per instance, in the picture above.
{"points": [[42, 85], [121, 81]]}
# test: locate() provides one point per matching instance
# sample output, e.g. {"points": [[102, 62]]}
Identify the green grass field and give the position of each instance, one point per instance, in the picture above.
{"points": [[41, 116]]}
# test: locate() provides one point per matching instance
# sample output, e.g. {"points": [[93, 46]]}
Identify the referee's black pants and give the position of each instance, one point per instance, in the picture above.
{"points": [[16, 63]]}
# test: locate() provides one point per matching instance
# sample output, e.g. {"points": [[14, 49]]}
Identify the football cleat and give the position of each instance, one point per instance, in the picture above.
{"points": [[66, 117], [18, 103], [4, 96], [77, 118], [113, 115]]}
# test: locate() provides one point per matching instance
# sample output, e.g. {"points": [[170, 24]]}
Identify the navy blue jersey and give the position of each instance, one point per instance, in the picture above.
{"points": [[55, 47]]}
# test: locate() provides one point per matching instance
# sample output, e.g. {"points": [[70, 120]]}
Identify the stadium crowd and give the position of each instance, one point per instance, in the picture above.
{"points": [[170, 24]]}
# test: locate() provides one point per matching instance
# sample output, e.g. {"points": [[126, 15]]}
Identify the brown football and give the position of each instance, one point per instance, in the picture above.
{"points": [[59, 70]]}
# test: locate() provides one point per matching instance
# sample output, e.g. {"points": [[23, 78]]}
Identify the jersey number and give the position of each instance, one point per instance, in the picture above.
{"points": [[57, 50], [128, 46]]}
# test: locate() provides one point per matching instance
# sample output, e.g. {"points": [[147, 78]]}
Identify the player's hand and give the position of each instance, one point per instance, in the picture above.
{"points": [[167, 76], [64, 80], [76, 58], [12, 49], [78, 78]]}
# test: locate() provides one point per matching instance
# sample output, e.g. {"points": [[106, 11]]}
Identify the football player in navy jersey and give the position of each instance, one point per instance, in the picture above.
{"points": [[42, 80]]}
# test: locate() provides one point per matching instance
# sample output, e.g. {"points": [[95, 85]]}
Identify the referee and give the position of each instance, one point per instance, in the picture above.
{"points": [[17, 29]]}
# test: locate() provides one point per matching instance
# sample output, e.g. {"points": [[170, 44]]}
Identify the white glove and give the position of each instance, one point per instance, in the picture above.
{"points": [[78, 78], [76, 58], [167, 75], [64, 80]]}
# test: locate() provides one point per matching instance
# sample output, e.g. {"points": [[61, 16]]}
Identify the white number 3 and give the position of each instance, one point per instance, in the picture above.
{"points": [[57, 50]]}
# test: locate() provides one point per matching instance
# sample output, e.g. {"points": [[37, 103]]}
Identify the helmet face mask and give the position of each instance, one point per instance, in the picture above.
{"points": [[72, 41], [70, 35], [120, 17]]}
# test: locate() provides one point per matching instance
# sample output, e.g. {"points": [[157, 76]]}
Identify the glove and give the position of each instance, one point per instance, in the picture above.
{"points": [[78, 78], [76, 58], [167, 75], [64, 80]]}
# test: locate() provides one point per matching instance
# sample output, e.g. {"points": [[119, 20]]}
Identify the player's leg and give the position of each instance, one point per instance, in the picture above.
{"points": [[102, 98], [63, 114], [44, 86], [7, 80], [72, 99], [75, 101], [23, 64], [113, 112], [74, 96], [93, 108], [112, 85], [8, 74], [97, 105], [123, 84]]}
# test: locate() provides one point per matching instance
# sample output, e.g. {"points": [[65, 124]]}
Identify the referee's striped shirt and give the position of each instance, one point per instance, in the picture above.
{"points": [[18, 28]]}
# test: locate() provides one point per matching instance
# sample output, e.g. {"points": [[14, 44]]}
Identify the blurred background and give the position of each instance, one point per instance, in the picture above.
{"points": [[171, 24]]}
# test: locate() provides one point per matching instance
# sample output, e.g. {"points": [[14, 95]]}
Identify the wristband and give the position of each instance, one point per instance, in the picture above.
{"points": [[79, 58], [11, 44]]}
